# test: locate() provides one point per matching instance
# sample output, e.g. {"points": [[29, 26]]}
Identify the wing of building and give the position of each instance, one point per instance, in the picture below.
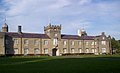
{"points": [[52, 42]]}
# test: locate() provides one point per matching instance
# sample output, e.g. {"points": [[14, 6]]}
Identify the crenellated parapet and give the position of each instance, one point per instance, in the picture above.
{"points": [[52, 27]]}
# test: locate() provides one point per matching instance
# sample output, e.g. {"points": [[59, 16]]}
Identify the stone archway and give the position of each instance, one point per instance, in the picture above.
{"points": [[54, 52]]}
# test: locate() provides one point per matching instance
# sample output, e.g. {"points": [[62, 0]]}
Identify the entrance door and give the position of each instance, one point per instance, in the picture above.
{"points": [[54, 50]]}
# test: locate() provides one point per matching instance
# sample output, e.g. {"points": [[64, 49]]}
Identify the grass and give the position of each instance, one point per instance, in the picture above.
{"points": [[63, 64]]}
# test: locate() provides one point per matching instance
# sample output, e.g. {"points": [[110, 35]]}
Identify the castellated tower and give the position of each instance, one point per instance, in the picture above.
{"points": [[4, 27], [53, 31]]}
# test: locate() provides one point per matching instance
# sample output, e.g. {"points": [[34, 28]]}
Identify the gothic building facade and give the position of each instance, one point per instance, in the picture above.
{"points": [[52, 42]]}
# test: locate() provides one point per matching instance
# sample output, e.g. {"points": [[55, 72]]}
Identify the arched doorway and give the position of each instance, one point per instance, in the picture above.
{"points": [[54, 50]]}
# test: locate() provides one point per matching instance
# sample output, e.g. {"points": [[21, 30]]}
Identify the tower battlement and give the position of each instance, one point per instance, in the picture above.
{"points": [[52, 27]]}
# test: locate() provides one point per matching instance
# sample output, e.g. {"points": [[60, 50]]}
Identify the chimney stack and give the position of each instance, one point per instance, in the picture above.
{"points": [[19, 29]]}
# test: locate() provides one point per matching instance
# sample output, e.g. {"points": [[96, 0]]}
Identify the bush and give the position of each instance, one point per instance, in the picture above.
{"points": [[72, 54]]}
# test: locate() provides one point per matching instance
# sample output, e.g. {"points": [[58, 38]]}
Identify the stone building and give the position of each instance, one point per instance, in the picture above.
{"points": [[52, 42]]}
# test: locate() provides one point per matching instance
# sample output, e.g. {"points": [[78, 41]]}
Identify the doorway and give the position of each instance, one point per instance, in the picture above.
{"points": [[54, 50]]}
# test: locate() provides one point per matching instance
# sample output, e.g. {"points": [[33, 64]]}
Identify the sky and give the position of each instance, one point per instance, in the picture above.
{"points": [[95, 16]]}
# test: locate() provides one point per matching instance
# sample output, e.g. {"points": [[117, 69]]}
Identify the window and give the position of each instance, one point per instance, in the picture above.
{"points": [[103, 38], [15, 50], [93, 50], [26, 42], [103, 50], [45, 42], [36, 51], [103, 42], [79, 43], [55, 35], [80, 50], [46, 51], [64, 50], [93, 43], [72, 50], [72, 43], [26, 51], [86, 43], [16, 41], [55, 42], [64, 42], [87, 50], [36, 42]]}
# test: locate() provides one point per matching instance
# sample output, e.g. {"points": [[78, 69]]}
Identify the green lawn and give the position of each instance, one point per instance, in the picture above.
{"points": [[63, 64]]}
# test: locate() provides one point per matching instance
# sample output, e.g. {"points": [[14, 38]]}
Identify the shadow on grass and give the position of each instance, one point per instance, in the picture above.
{"points": [[64, 65]]}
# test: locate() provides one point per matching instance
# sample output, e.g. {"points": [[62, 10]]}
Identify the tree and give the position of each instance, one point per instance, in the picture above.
{"points": [[115, 44]]}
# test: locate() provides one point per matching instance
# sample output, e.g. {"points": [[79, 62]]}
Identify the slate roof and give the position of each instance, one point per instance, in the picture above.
{"points": [[26, 35], [36, 35], [70, 37], [88, 37], [77, 37]]}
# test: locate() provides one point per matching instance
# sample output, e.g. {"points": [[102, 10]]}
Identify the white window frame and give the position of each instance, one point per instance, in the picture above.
{"points": [[36, 51], [36, 42], [45, 42], [79, 50], [87, 43], [87, 50], [93, 43], [93, 50], [64, 50], [64, 42], [103, 42], [56, 34], [16, 51], [26, 51], [45, 50], [16, 41], [103, 38], [103, 50], [72, 50], [79, 42], [55, 41], [26, 41], [72, 43]]}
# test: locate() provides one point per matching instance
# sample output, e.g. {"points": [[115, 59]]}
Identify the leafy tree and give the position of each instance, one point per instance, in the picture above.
{"points": [[115, 44]]}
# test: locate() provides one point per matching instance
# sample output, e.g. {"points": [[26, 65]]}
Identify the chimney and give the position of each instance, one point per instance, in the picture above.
{"points": [[19, 29], [103, 33]]}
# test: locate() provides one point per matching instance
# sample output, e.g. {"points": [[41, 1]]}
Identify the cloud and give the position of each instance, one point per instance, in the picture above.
{"points": [[85, 2], [60, 4], [97, 16]]}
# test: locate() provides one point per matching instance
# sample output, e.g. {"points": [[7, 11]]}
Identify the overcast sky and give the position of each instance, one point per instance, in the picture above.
{"points": [[95, 16]]}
